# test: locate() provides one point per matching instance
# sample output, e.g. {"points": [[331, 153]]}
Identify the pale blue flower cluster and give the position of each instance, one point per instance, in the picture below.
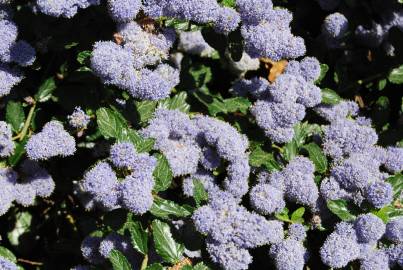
{"points": [[124, 10], [334, 28], [194, 145], [7, 265], [359, 240], [232, 230], [24, 188], [133, 192], [96, 250], [13, 52], [63, 8], [266, 31], [224, 19], [356, 172], [78, 119], [294, 183], [282, 105], [128, 65], [52, 141], [6, 143]]}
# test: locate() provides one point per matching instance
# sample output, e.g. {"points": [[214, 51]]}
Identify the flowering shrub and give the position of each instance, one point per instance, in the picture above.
{"points": [[201, 134]]}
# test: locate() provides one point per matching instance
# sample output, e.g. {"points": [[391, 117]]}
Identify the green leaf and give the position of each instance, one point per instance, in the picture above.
{"points": [[397, 183], [15, 115], [45, 90], [290, 150], [396, 75], [297, 215], [138, 236], [340, 209], [83, 56], [199, 193], [382, 84], [22, 225], [119, 261], [165, 245], [330, 97], [111, 124], [155, 266], [142, 144], [229, 105], [258, 158], [283, 215], [228, 3], [384, 213], [19, 152], [145, 109], [201, 75], [7, 254], [164, 209], [200, 266], [323, 71], [177, 102], [317, 156], [162, 173]]}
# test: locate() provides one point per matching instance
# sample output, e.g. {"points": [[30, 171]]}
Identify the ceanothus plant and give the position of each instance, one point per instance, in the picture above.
{"points": [[201, 134]]}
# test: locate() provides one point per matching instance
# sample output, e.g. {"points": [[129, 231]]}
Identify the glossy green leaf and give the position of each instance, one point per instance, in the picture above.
{"points": [[165, 244], [15, 115], [162, 173], [177, 102], [145, 110], [340, 209], [119, 261], [323, 71], [46, 90], [7, 254], [164, 209], [110, 123], [297, 215], [330, 97], [21, 226], [317, 156], [83, 56], [397, 183], [199, 193], [155, 266], [139, 236], [260, 158], [396, 75]]}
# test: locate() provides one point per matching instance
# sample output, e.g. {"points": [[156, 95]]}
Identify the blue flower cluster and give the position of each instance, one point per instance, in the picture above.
{"points": [[294, 183], [6, 143], [52, 141], [355, 174], [78, 119], [334, 28], [232, 230], [63, 8], [133, 192], [13, 52], [7, 265], [266, 31], [97, 249], [282, 105], [33, 181], [127, 65], [199, 144], [224, 19], [359, 240]]}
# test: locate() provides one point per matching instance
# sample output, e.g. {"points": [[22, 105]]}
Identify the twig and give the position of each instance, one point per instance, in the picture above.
{"points": [[27, 123], [30, 262], [144, 262]]}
